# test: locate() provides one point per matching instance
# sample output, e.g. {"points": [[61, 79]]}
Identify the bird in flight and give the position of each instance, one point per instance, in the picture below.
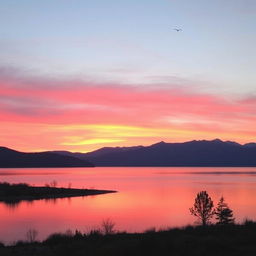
{"points": [[177, 29]]}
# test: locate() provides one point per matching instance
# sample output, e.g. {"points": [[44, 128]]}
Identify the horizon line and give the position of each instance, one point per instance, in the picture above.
{"points": [[200, 140]]}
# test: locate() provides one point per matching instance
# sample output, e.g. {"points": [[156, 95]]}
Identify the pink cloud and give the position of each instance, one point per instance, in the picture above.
{"points": [[53, 102], [113, 103]]}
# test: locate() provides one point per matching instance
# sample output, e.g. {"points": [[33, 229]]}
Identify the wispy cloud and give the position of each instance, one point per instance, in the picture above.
{"points": [[102, 113]]}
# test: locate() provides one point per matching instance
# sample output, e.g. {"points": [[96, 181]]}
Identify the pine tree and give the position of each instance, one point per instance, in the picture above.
{"points": [[224, 215], [203, 208]]}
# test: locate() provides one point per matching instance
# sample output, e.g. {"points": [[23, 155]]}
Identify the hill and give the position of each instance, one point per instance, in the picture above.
{"points": [[13, 159]]}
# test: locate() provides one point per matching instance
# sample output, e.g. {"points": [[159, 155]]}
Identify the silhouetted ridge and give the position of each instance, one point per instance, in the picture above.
{"points": [[13, 159], [192, 153], [250, 145], [98, 152]]}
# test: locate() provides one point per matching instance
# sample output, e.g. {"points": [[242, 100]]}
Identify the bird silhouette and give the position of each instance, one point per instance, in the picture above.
{"points": [[177, 29]]}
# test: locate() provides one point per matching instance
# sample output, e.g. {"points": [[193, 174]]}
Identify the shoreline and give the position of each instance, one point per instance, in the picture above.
{"points": [[15, 193]]}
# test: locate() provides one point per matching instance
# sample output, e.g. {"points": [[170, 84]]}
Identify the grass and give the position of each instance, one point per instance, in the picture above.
{"points": [[233, 240]]}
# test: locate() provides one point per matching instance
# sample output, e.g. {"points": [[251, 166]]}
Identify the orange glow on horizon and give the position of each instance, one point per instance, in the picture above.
{"points": [[77, 116], [61, 137]]}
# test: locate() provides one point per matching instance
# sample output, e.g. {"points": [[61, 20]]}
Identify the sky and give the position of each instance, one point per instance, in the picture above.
{"points": [[80, 75]]}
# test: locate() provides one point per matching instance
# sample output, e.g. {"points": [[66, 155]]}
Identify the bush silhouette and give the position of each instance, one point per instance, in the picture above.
{"points": [[31, 235], [108, 226]]}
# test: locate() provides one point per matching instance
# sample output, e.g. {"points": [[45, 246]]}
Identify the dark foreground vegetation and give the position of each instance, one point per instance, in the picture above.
{"points": [[14, 193], [209, 240]]}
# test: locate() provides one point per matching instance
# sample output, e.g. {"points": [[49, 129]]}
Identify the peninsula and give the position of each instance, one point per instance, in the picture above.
{"points": [[15, 193]]}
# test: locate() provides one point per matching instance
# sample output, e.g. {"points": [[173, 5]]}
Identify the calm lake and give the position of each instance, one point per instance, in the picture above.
{"points": [[147, 197]]}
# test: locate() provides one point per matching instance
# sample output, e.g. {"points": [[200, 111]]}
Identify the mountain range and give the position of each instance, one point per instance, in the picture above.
{"points": [[192, 153], [13, 159]]}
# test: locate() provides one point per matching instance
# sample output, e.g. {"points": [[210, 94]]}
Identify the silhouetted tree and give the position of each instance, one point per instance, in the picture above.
{"points": [[224, 215], [108, 226], [203, 208], [31, 235], [53, 184]]}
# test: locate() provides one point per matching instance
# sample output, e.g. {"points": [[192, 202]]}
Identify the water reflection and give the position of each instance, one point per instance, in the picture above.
{"points": [[10, 205], [13, 204], [210, 173], [147, 197]]}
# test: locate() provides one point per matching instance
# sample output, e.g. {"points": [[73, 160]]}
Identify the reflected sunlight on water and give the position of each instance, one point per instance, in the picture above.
{"points": [[147, 197]]}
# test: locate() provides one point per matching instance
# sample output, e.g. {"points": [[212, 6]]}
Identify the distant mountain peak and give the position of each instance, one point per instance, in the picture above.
{"points": [[250, 145], [159, 143], [4, 148], [7, 149], [217, 140]]}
